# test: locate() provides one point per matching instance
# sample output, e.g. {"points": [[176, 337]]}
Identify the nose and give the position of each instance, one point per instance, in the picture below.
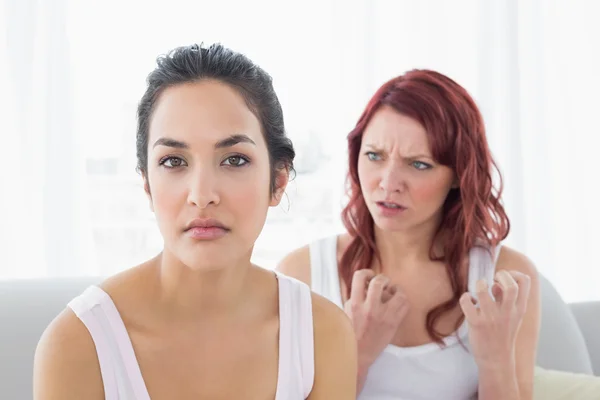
{"points": [[393, 178], [203, 188]]}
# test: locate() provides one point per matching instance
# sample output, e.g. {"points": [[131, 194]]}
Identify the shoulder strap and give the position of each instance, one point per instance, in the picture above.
{"points": [[118, 365], [296, 336], [482, 265], [83, 307]]}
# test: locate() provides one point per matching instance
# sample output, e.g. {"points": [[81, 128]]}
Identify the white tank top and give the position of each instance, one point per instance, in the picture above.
{"points": [[426, 372], [121, 373]]}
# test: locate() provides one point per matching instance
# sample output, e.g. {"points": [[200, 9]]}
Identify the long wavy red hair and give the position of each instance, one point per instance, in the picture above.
{"points": [[473, 212]]}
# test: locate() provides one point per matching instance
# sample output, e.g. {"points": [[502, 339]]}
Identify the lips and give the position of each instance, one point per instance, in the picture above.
{"points": [[206, 223], [390, 209], [206, 229], [390, 205]]}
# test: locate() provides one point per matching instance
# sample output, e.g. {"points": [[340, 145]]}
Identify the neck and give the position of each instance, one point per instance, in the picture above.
{"points": [[406, 249], [186, 293]]}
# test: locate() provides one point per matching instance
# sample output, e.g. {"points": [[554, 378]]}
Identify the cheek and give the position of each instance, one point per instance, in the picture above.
{"points": [[430, 190], [368, 177], [167, 196], [247, 193]]}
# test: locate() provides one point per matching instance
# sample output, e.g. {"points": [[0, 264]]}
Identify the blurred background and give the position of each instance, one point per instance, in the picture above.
{"points": [[72, 72]]}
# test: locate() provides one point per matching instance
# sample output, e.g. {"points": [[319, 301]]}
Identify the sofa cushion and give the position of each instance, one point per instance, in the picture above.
{"points": [[26, 308], [561, 344], [588, 319]]}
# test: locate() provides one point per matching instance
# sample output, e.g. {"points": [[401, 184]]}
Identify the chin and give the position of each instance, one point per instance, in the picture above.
{"points": [[203, 257]]}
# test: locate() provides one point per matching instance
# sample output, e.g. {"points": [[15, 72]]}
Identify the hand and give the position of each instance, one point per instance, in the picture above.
{"points": [[376, 310], [493, 327]]}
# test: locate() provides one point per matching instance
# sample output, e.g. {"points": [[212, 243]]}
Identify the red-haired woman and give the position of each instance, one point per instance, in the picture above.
{"points": [[440, 308]]}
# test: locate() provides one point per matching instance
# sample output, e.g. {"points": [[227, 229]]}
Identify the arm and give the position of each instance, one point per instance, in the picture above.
{"points": [[513, 379], [66, 366], [335, 353]]}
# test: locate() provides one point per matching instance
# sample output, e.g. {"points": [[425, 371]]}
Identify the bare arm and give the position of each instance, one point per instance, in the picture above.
{"points": [[335, 353], [513, 379], [66, 366]]}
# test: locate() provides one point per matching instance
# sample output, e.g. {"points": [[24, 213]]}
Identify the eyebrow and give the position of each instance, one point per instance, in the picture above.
{"points": [[412, 157], [233, 140], [227, 142]]}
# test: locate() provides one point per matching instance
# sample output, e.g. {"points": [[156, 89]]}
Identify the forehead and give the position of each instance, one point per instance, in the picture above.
{"points": [[390, 129], [202, 111]]}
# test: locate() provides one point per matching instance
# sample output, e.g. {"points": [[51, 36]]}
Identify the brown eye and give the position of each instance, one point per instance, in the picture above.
{"points": [[172, 162], [235, 161]]}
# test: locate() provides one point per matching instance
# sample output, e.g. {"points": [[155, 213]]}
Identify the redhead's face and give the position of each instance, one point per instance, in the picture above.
{"points": [[208, 164], [402, 184]]}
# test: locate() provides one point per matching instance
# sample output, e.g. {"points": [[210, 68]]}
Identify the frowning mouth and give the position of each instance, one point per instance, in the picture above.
{"points": [[390, 209], [390, 205]]}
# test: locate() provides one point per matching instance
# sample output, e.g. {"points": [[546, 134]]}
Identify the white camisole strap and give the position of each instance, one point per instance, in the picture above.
{"points": [[120, 371], [296, 335]]}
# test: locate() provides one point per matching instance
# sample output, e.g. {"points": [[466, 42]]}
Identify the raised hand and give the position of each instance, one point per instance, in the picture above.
{"points": [[494, 324], [376, 309]]}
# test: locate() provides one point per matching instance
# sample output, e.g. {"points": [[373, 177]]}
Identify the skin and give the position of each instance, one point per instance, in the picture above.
{"points": [[396, 165], [203, 321]]}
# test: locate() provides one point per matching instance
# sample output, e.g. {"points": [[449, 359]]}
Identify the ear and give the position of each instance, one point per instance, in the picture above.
{"points": [[147, 190], [281, 181]]}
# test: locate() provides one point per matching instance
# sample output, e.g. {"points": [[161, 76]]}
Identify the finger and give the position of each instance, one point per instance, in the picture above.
{"points": [[388, 293], [497, 292], [467, 304], [524, 283], [397, 306], [508, 287], [359, 283], [375, 291], [486, 303]]}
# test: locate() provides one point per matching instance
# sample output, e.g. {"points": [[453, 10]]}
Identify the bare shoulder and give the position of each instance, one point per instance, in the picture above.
{"points": [[328, 317], [297, 265], [512, 260], [66, 365], [132, 288], [335, 352]]}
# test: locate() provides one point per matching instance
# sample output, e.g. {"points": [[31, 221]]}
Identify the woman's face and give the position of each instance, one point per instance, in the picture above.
{"points": [[208, 174], [402, 184]]}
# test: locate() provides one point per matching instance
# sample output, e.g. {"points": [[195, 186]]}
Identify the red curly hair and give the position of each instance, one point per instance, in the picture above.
{"points": [[472, 212]]}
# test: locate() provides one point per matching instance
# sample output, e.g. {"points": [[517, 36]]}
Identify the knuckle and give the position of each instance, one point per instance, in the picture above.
{"points": [[361, 273], [370, 316], [377, 282]]}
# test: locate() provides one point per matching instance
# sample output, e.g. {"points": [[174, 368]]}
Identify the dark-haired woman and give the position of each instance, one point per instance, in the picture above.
{"points": [[199, 320]]}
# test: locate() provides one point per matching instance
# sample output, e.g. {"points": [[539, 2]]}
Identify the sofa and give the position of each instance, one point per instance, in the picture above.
{"points": [[569, 340]]}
